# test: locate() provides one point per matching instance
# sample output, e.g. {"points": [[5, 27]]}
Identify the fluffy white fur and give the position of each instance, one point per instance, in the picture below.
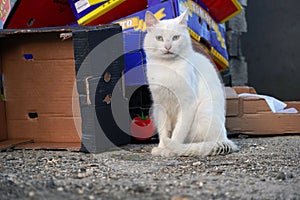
{"points": [[188, 96]]}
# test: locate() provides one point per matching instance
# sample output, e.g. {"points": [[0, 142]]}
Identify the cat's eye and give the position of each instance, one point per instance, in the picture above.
{"points": [[159, 38], [176, 37]]}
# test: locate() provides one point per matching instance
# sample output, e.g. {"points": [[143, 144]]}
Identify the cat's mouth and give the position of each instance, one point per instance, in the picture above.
{"points": [[168, 53]]}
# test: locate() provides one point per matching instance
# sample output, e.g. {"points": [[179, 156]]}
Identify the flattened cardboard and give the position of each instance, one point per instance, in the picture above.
{"points": [[252, 105], [244, 89], [293, 104], [256, 118], [232, 102], [13, 143], [265, 123], [75, 146]]}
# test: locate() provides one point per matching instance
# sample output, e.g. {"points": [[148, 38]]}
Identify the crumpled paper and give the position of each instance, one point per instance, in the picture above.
{"points": [[275, 105]]}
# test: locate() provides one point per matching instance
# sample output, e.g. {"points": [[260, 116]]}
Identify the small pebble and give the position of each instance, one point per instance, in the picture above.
{"points": [[39, 176], [31, 194], [196, 163], [138, 188], [200, 184], [80, 191], [290, 175], [50, 184], [181, 197], [281, 176]]}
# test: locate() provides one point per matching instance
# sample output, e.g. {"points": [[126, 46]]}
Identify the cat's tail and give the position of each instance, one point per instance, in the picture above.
{"points": [[201, 148]]}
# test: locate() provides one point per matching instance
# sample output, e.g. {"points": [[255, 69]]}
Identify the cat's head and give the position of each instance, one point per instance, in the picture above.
{"points": [[167, 38]]}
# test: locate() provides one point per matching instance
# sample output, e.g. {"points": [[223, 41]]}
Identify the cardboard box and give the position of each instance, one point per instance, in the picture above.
{"points": [[204, 29], [254, 117], [134, 32], [134, 28], [99, 61], [104, 12], [43, 87], [154, 2], [3, 129], [81, 8], [202, 48]]}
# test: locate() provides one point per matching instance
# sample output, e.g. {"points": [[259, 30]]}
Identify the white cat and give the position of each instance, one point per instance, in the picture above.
{"points": [[188, 96]]}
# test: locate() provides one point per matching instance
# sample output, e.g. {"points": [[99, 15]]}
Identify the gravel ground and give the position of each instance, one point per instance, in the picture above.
{"points": [[265, 168]]}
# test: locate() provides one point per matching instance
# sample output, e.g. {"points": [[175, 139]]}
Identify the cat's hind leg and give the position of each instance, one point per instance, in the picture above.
{"points": [[207, 136]]}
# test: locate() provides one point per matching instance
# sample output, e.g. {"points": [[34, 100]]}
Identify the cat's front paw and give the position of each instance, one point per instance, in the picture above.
{"points": [[156, 151], [164, 152]]}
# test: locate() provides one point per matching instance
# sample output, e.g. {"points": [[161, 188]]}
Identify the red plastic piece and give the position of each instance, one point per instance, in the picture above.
{"points": [[222, 10], [40, 13], [142, 129]]}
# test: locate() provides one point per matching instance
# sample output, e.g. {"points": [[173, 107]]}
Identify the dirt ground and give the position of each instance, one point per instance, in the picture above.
{"points": [[264, 168]]}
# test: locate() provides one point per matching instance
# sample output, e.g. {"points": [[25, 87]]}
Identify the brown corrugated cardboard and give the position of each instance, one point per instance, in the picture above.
{"points": [[244, 89], [75, 146], [256, 118], [293, 104], [232, 102], [6, 144], [39, 76], [3, 132], [40, 79], [264, 123], [252, 105]]}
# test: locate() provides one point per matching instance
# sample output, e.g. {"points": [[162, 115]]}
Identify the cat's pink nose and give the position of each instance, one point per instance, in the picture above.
{"points": [[168, 47]]}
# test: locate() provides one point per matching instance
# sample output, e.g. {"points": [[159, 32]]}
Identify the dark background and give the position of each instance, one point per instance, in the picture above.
{"points": [[272, 47]]}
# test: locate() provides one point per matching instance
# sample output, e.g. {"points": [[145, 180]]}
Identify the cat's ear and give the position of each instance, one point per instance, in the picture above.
{"points": [[182, 19], [150, 20]]}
